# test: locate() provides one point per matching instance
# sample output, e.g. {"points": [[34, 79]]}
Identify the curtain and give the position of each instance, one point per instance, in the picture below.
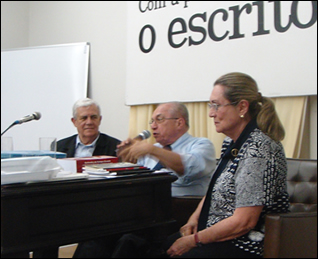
{"points": [[292, 112]]}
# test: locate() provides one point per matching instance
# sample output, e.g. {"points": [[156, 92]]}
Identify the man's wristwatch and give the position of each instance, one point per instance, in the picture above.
{"points": [[197, 241]]}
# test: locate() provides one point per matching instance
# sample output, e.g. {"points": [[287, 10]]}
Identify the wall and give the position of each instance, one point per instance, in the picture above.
{"points": [[14, 24], [103, 24]]}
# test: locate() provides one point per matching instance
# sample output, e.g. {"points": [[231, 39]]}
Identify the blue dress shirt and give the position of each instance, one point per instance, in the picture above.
{"points": [[199, 161], [82, 150]]}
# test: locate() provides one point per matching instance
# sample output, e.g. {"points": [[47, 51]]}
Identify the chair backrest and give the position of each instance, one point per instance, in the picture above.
{"points": [[294, 234], [302, 184]]}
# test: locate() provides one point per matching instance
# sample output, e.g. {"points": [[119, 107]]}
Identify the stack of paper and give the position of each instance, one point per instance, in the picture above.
{"points": [[66, 175]]}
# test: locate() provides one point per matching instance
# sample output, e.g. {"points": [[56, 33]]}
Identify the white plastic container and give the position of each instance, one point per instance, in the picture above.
{"points": [[26, 169]]}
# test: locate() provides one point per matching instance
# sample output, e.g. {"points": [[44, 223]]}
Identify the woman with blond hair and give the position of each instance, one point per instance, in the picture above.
{"points": [[249, 181]]}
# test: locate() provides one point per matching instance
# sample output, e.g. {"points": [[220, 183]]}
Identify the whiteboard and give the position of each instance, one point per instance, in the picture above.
{"points": [[45, 79]]}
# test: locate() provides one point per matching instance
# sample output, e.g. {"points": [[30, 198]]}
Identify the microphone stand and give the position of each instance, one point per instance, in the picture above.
{"points": [[14, 123]]}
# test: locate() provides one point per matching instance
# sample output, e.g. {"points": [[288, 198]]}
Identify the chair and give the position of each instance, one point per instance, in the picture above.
{"points": [[294, 234], [289, 235]]}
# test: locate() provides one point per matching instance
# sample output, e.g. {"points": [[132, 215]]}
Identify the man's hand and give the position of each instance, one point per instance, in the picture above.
{"points": [[131, 150], [123, 149]]}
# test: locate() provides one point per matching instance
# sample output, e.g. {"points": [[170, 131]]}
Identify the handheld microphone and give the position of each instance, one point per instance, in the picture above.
{"points": [[33, 116], [143, 135]]}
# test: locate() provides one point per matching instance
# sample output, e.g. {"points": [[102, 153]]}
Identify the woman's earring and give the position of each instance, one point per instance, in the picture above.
{"points": [[242, 116]]}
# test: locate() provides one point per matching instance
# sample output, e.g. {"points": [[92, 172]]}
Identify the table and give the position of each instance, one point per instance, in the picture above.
{"points": [[55, 213]]}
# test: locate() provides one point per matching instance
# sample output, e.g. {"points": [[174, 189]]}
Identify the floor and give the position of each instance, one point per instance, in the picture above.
{"points": [[65, 251]]}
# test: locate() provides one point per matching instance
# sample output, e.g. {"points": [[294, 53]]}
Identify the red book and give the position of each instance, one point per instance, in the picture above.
{"points": [[75, 164]]}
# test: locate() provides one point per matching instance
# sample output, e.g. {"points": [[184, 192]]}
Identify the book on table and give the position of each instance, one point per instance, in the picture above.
{"points": [[119, 168], [76, 164]]}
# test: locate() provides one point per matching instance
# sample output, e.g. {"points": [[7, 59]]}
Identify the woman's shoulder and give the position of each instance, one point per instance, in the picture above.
{"points": [[264, 144], [259, 136]]}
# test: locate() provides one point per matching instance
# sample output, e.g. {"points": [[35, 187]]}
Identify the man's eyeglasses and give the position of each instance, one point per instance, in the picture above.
{"points": [[216, 107], [160, 120]]}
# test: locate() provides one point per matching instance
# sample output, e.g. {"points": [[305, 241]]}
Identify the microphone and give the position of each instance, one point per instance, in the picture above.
{"points": [[33, 116], [143, 135]]}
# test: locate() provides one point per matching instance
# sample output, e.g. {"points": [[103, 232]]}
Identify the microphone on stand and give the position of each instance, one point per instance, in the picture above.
{"points": [[33, 116]]}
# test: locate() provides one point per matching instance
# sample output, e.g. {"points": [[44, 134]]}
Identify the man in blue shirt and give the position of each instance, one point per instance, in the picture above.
{"points": [[191, 159]]}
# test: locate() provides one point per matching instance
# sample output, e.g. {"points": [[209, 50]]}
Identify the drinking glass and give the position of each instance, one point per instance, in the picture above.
{"points": [[6, 144], [47, 144]]}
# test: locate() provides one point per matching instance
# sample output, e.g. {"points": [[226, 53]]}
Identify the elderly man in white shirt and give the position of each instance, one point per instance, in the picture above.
{"points": [[190, 158]]}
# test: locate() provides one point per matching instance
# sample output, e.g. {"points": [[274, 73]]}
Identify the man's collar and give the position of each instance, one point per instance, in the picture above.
{"points": [[180, 140], [79, 142]]}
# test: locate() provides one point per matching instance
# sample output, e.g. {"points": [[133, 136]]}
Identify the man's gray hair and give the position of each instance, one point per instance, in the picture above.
{"points": [[83, 103]]}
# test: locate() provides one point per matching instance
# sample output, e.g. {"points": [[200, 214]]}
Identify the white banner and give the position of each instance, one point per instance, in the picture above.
{"points": [[177, 49]]}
